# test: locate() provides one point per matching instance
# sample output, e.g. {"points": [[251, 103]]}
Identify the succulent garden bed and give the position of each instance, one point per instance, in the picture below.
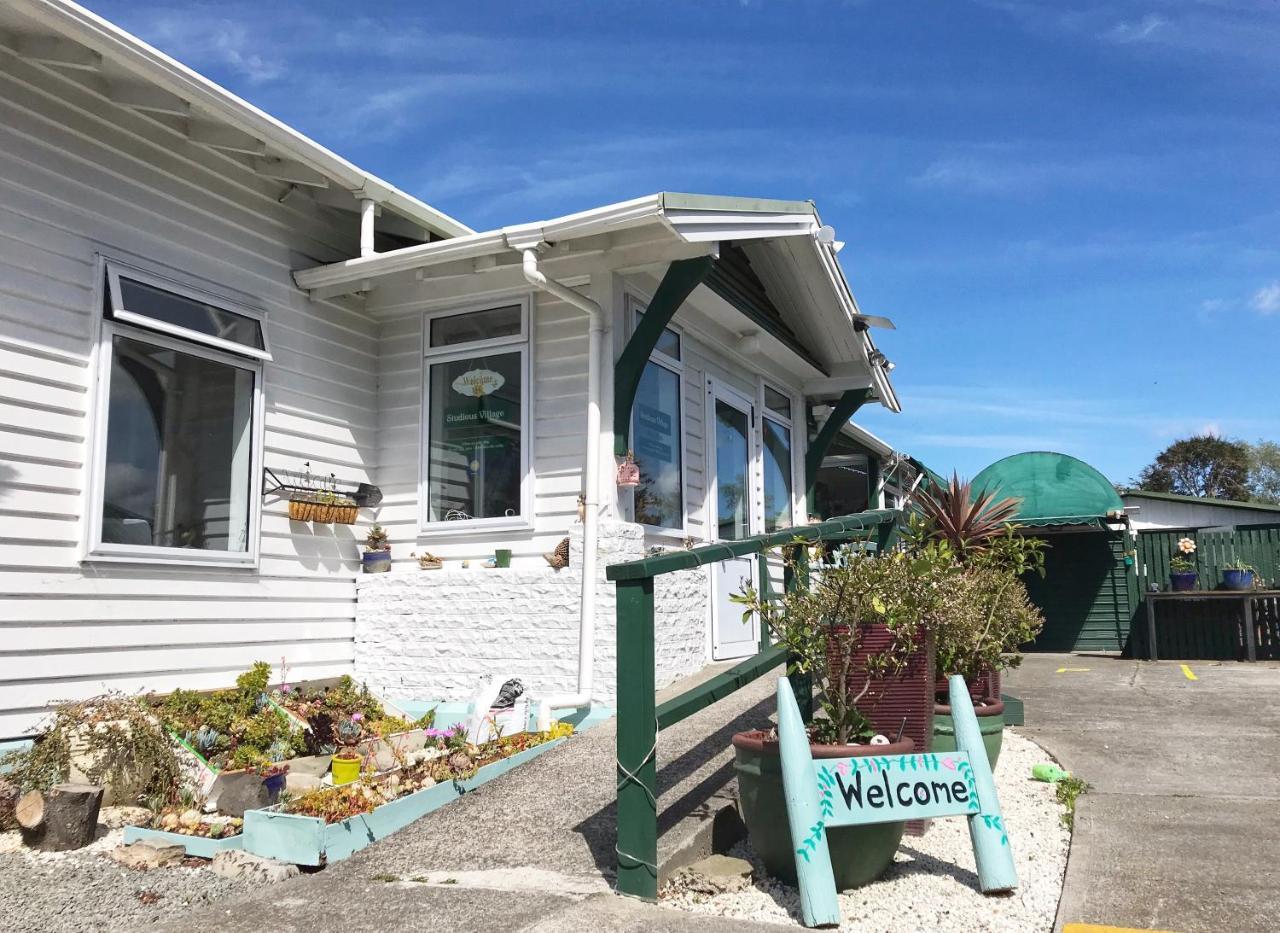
{"points": [[329, 824]]}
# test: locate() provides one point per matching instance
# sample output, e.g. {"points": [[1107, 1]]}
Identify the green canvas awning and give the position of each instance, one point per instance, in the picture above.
{"points": [[1054, 489]]}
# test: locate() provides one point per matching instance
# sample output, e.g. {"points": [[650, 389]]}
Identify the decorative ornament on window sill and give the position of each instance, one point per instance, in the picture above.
{"points": [[629, 472]]}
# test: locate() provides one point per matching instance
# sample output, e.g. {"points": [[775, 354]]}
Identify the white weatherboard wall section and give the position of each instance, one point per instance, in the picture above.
{"points": [[79, 176]]}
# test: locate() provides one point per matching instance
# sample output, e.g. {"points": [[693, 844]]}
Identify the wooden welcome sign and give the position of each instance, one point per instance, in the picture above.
{"points": [[886, 789]]}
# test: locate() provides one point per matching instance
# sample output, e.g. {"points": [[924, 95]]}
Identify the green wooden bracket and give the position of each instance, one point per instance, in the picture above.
{"points": [[637, 743], [849, 402], [682, 277]]}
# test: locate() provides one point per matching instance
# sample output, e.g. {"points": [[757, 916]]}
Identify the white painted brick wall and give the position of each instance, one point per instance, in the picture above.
{"points": [[438, 634]]}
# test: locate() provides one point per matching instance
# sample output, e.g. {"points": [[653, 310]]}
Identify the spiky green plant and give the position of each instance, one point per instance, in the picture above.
{"points": [[967, 521]]}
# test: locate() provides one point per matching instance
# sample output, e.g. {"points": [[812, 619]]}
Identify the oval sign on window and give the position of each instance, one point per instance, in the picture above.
{"points": [[478, 382]]}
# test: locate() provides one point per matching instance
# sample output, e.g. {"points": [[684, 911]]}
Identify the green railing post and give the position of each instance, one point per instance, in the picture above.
{"points": [[762, 566], [637, 742], [801, 683]]}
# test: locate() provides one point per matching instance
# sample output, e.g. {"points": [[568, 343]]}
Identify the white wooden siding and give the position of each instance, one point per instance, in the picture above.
{"points": [[77, 176]]}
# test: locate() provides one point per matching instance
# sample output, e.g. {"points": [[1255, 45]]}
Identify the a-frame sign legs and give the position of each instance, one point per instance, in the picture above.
{"points": [[869, 789], [991, 849]]}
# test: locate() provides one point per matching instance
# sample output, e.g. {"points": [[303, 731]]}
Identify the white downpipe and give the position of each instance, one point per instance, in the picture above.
{"points": [[368, 209], [591, 517]]}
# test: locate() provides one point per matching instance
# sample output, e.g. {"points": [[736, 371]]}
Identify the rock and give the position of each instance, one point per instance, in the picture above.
{"points": [[237, 864], [120, 817], [148, 855], [314, 765], [249, 793], [301, 782], [717, 874]]}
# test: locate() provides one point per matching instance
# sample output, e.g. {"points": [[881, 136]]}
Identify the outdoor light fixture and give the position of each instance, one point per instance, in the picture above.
{"points": [[749, 343], [826, 234]]}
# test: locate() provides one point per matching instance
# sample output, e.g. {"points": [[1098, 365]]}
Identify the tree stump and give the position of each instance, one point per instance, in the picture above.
{"points": [[64, 818]]}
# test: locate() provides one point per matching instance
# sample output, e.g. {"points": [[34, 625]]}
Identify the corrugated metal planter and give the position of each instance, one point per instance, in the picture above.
{"points": [[308, 840]]}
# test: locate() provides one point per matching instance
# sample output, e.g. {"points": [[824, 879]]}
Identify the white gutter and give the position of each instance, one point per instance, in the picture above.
{"points": [[110, 41], [591, 517]]}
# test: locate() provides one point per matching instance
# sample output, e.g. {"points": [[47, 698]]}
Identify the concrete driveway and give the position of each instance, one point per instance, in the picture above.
{"points": [[1181, 830]]}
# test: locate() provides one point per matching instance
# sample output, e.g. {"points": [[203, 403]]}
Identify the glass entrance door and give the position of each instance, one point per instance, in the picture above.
{"points": [[732, 450]]}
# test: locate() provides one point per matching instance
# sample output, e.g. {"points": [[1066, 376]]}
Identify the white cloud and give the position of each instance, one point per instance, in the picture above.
{"points": [[1138, 31], [1266, 300]]}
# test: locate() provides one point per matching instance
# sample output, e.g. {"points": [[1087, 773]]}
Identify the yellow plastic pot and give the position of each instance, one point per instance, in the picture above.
{"points": [[345, 770]]}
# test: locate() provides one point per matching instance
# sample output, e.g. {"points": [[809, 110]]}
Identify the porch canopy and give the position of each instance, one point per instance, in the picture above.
{"points": [[765, 271], [1055, 490]]}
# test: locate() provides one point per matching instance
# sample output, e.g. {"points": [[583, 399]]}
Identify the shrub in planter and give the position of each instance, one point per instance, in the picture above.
{"points": [[991, 614], [858, 628]]}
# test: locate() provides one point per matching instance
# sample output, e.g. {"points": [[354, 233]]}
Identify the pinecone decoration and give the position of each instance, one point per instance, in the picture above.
{"points": [[560, 556]]}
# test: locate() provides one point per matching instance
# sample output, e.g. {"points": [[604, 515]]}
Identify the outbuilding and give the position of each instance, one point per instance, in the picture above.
{"points": [[1089, 590]]}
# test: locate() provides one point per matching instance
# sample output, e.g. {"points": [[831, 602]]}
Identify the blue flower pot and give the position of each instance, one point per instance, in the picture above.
{"points": [[1183, 581], [1237, 579], [376, 561]]}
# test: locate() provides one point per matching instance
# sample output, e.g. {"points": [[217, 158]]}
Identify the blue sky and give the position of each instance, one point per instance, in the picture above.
{"points": [[1073, 215]]}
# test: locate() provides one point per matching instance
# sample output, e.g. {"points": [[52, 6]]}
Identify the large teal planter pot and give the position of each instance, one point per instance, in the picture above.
{"points": [[859, 854], [990, 724]]}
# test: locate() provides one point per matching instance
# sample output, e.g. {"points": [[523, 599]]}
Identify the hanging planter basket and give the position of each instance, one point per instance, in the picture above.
{"points": [[322, 508]]}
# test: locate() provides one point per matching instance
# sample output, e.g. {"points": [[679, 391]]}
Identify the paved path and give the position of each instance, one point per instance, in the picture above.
{"points": [[1182, 828]]}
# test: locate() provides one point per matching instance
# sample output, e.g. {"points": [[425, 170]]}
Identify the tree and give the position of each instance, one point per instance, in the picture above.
{"points": [[1264, 471], [1203, 465]]}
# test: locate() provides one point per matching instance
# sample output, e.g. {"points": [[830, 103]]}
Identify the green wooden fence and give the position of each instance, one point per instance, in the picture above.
{"points": [[640, 718], [1210, 629]]}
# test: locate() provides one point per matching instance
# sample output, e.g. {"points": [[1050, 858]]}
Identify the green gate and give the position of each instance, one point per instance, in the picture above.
{"points": [[1087, 594]]}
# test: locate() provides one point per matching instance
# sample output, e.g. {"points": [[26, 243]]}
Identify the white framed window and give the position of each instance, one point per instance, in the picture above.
{"points": [[177, 443], [777, 453], [658, 433], [476, 417]]}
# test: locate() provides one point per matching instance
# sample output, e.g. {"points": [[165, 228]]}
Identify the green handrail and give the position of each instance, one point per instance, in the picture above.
{"points": [[640, 719]]}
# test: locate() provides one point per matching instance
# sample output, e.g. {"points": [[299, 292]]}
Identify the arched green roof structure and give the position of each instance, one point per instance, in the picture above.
{"points": [[1055, 489]]}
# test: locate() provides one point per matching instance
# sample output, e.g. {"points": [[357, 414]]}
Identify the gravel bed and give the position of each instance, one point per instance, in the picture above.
{"points": [[932, 884], [67, 892]]}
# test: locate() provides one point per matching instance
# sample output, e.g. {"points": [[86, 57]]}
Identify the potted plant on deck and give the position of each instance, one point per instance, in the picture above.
{"points": [[1182, 566], [887, 603], [1238, 576]]}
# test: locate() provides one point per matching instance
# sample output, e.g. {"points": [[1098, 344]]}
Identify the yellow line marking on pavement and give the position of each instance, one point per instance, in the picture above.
{"points": [[1095, 928], [1071, 670], [1187, 673]]}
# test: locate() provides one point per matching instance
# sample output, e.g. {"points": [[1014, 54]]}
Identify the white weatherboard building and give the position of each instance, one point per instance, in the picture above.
{"points": [[196, 301]]}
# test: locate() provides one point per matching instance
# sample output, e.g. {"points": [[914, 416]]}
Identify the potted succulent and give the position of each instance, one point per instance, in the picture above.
{"points": [[345, 765], [377, 550], [856, 625], [1182, 567], [1238, 575]]}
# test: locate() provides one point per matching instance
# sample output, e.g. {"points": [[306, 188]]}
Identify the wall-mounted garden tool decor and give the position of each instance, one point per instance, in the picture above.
{"points": [[322, 499], [857, 791]]}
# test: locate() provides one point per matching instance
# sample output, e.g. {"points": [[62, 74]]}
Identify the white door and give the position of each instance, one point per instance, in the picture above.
{"points": [[731, 452]]}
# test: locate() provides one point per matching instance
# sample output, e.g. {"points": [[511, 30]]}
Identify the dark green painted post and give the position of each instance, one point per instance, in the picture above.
{"points": [[887, 535], [681, 278], [873, 482], [843, 410], [762, 565], [637, 742], [797, 574]]}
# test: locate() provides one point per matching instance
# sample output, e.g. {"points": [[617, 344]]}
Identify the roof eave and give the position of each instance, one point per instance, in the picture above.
{"points": [[149, 63]]}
